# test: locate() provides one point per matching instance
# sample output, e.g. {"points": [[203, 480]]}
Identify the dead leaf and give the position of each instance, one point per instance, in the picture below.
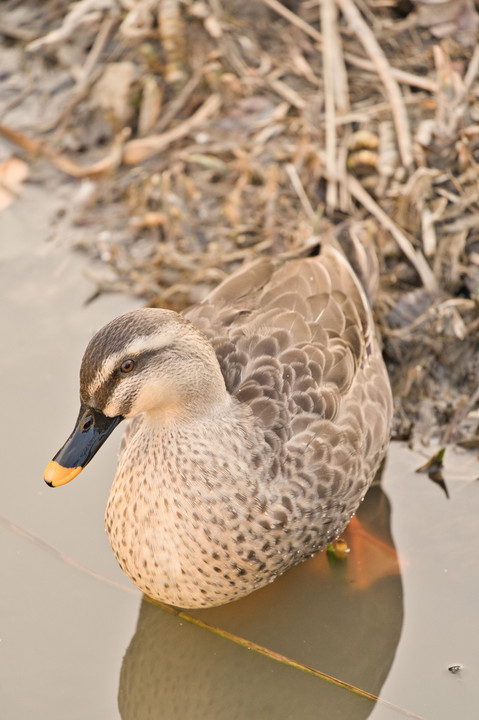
{"points": [[112, 91], [13, 172], [434, 464], [433, 468]]}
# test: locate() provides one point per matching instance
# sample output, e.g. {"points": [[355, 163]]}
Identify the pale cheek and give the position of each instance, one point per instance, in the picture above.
{"points": [[160, 396]]}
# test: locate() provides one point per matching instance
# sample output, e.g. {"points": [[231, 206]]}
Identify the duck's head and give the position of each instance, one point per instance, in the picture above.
{"points": [[145, 361]]}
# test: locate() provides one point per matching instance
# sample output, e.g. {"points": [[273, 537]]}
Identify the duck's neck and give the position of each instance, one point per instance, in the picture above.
{"points": [[185, 436], [204, 442]]}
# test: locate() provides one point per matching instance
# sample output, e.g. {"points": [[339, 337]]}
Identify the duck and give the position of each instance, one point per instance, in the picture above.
{"points": [[256, 421]]}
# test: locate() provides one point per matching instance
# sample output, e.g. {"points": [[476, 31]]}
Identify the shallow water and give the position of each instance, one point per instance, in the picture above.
{"points": [[390, 619]]}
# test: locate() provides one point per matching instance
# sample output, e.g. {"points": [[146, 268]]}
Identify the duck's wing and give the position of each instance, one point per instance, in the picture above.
{"points": [[312, 308], [296, 341]]}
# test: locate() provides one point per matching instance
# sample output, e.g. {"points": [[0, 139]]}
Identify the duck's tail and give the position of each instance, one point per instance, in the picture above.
{"points": [[353, 241], [357, 246]]}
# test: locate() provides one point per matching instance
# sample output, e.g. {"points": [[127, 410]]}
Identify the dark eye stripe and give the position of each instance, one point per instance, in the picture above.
{"points": [[119, 375]]}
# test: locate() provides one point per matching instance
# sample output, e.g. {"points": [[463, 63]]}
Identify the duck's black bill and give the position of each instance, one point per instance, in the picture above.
{"points": [[90, 432]]}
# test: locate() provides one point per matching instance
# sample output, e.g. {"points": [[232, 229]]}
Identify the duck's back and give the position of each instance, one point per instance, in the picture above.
{"points": [[296, 342]]}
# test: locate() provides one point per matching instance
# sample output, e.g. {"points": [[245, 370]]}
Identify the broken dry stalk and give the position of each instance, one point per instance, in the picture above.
{"points": [[299, 189], [328, 20]]}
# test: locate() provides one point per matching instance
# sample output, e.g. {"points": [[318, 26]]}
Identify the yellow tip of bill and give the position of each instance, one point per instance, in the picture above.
{"points": [[55, 474]]}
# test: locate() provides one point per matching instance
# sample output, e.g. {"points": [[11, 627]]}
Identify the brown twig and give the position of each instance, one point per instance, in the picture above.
{"points": [[283, 659], [414, 256], [88, 76], [472, 70], [174, 107], [131, 153], [37, 147], [142, 148], [101, 40], [299, 189], [402, 76], [294, 20]]}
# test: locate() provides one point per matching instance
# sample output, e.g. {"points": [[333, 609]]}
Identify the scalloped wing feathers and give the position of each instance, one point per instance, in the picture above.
{"points": [[296, 342]]}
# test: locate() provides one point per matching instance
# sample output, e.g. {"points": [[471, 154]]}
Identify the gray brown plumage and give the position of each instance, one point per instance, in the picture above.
{"points": [[260, 419]]}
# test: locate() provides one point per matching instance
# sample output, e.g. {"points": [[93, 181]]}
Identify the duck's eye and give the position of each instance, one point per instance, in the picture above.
{"points": [[127, 366]]}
